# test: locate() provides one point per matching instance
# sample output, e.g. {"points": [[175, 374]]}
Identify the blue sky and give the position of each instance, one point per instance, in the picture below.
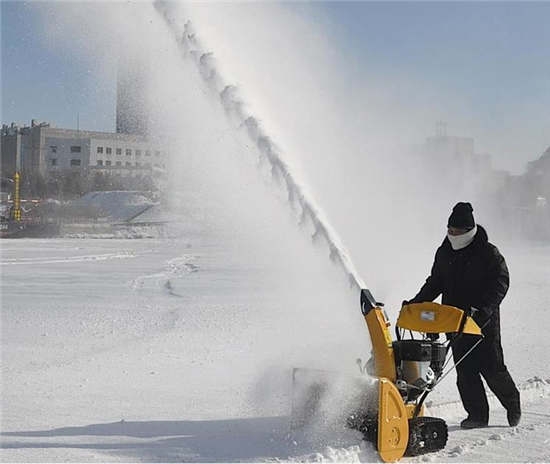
{"points": [[496, 45], [495, 57], [39, 83]]}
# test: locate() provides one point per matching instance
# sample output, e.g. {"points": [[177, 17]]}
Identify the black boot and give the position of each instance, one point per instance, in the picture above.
{"points": [[514, 415], [471, 423]]}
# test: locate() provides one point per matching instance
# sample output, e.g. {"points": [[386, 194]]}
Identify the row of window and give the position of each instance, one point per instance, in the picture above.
{"points": [[127, 164], [108, 150], [128, 151], [74, 148], [74, 162], [77, 162]]}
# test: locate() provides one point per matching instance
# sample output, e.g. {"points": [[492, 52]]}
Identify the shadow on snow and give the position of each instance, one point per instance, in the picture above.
{"points": [[198, 441]]}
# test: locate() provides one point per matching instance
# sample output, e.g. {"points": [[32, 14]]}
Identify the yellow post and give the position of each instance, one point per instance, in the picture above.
{"points": [[17, 197]]}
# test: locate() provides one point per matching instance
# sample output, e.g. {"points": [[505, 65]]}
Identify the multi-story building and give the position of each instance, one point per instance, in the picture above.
{"points": [[132, 97], [455, 164], [45, 150]]}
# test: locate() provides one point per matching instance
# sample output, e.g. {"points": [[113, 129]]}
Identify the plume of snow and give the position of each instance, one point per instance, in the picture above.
{"points": [[235, 108]]}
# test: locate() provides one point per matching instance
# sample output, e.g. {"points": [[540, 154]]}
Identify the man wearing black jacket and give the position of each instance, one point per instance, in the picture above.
{"points": [[471, 274]]}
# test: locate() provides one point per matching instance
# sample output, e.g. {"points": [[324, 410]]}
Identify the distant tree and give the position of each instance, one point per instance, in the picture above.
{"points": [[102, 181], [53, 187], [33, 185], [66, 185], [73, 185], [98, 182]]}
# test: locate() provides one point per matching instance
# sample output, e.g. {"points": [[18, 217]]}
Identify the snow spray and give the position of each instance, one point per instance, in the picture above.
{"points": [[234, 106]]}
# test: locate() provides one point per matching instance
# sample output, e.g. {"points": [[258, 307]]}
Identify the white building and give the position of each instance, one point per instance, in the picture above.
{"points": [[453, 162], [42, 149]]}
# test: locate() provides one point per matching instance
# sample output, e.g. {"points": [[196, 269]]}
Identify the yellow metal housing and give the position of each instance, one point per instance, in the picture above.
{"points": [[384, 360], [411, 407], [393, 422], [435, 318]]}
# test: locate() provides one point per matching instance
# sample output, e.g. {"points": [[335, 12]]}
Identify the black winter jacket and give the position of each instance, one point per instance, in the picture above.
{"points": [[475, 276]]}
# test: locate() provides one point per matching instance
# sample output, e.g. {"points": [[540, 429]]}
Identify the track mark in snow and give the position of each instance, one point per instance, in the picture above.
{"points": [[173, 268], [496, 442], [182, 265], [69, 259]]}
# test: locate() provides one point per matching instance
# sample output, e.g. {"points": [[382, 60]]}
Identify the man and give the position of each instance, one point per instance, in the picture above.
{"points": [[471, 274]]}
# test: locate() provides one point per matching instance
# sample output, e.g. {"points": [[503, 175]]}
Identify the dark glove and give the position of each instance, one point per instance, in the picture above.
{"points": [[472, 311], [467, 311], [480, 316]]}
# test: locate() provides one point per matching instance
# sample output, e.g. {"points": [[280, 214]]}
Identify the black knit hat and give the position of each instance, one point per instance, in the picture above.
{"points": [[462, 217]]}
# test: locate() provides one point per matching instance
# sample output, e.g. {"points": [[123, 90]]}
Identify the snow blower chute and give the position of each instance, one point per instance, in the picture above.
{"points": [[402, 372]]}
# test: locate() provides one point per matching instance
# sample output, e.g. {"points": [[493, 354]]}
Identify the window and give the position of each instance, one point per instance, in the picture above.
{"points": [[75, 162], [76, 149], [54, 161], [148, 153], [157, 153], [138, 152], [128, 163], [100, 149], [108, 150], [148, 165], [118, 163], [128, 152], [119, 151], [100, 162], [108, 163], [53, 148], [137, 164]]}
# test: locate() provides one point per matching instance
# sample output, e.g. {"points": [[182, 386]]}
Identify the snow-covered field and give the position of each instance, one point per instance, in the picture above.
{"points": [[180, 349]]}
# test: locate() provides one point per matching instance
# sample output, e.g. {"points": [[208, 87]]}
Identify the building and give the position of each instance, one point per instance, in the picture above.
{"points": [[539, 170], [448, 150], [47, 151], [132, 98], [10, 151], [453, 163]]}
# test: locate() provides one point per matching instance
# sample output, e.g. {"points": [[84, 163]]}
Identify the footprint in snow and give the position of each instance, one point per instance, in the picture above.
{"points": [[169, 288], [458, 450]]}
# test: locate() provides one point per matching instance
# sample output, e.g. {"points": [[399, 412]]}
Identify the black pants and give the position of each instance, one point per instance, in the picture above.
{"points": [[485, 360]]}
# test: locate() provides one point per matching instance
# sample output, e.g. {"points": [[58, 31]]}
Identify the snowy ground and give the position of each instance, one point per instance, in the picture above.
{"points": [[180, 349]]}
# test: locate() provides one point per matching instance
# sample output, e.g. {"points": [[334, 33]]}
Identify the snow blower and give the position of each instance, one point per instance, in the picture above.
{"points": [[386, 403]]}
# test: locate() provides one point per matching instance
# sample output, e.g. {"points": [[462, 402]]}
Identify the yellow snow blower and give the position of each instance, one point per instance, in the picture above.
{"points": [[405, 371]]}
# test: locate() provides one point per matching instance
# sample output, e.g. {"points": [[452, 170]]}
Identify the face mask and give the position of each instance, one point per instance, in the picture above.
{"points": [[462, 241]]}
